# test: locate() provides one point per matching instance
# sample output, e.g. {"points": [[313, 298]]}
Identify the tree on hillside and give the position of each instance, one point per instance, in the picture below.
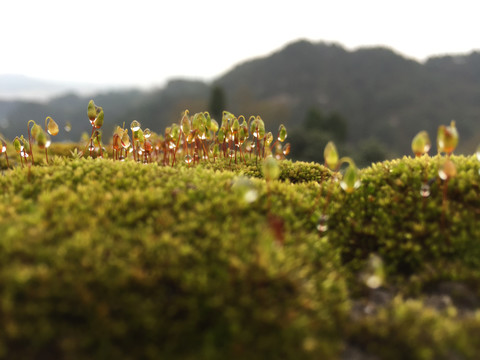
{"points": [[337, 125], [333, 123], [217, 104], [314, 119]]}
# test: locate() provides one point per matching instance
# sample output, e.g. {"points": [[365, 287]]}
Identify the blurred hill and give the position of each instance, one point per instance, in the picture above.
{"points": [[380, 98]]}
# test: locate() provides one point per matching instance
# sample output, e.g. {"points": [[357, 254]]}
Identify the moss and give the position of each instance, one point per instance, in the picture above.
{"points": [[388, 215], [134, 261], [103, 259], [410, 329]]}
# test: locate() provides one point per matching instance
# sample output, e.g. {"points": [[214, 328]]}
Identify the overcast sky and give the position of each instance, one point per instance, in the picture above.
{"points": [[145, 42]]}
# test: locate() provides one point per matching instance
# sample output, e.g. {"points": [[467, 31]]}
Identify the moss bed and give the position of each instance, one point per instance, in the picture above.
{"points": [[120, 260]]}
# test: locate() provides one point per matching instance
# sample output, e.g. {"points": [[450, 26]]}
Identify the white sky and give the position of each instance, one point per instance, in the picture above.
{"points": [[145, 42]]}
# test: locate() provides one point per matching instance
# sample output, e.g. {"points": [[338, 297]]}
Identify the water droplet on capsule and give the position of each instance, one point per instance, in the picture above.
{"points": [[425, 190], [442, 174], [135, 126], [188, 159], [322, 224], [251, 195], [373, 281], [373, 276]]}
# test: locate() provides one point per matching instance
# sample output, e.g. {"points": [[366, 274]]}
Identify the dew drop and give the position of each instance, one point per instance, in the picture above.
{"points": [[68, 127], [322, 224], [135, 126], [442, 174], [24, 154], [147, 133], [346, 187], [425, 190], [91, 148], [172, 145], [231, 153], [373, 281], [251, 195], [4, 148], [188, 159], [373, 275], [121, 158]]}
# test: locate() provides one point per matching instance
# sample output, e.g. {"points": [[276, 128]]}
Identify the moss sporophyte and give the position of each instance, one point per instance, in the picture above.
{"points": [[421, 145], [349, 182]]}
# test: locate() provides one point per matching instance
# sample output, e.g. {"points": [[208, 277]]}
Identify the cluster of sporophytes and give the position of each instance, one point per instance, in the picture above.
{"points": [[41, 137], [447, 141], [195, 138], [198, 138]]}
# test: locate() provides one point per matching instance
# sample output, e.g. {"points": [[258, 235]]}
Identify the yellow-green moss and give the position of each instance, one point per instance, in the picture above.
{"points": [[122, 260], [103, 259]]}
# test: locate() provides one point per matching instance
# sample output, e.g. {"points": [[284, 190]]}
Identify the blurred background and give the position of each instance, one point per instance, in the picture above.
{"points": [[368, 75]]}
